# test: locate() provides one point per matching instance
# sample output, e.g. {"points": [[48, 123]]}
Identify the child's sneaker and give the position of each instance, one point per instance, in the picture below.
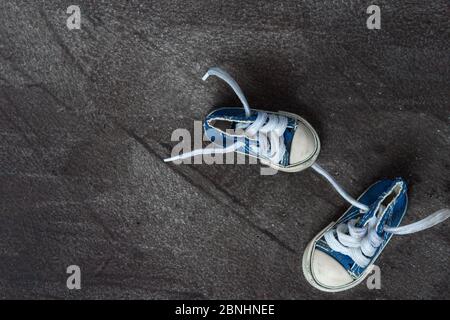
{"points": [[282, 140], [342, 254]]}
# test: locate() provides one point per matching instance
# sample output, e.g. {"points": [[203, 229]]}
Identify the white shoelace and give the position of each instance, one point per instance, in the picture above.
{"points": [[360, 244], [338, 188], [267, 129]]}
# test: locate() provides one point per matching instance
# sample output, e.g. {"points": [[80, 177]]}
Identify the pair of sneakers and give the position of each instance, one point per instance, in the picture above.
{"points": [[343, 253]]}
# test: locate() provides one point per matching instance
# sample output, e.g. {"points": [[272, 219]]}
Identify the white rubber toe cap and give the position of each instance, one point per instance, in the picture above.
{"points": [[303, 144], [327, 271]]}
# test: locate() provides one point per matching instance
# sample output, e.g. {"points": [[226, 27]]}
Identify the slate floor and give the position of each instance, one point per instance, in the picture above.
{"points": [[86, 118]]}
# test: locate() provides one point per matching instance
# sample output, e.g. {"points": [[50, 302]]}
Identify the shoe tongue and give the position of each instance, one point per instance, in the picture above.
{"points": [[367, 215]]}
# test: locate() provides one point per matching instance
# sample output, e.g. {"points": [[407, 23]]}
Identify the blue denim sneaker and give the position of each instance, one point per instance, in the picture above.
{"points": [[343, 254], [281, 140]]}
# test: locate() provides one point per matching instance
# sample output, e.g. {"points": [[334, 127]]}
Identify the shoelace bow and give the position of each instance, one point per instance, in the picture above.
{"points": [[360, 244], [266, 131]]}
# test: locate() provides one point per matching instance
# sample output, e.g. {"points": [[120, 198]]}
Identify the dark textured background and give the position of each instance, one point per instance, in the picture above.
{"points": [[87, 115]]}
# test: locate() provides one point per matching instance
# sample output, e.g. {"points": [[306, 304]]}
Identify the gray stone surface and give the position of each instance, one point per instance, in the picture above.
{"points": [[86, 118]]}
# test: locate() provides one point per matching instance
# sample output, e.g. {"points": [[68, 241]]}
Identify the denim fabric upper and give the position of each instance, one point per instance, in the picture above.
{"points": [[392, 217], [237, 115]]}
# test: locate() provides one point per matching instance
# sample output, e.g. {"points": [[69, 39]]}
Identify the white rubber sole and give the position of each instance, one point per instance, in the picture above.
{"points": [[307, 162], [306, 266]]}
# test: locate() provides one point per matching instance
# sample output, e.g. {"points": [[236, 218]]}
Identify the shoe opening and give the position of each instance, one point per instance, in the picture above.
{"points": [[389, 199], [222, 125]]}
